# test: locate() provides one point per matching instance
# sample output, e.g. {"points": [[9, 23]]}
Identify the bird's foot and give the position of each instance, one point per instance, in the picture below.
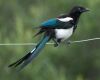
{"points": [[56, 44]]}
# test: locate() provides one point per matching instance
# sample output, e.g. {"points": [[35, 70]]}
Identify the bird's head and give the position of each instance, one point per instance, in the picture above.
{"points": [[79, 9]]}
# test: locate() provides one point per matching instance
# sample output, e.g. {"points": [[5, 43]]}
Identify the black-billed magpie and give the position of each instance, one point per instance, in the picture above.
{"points": [[58, 29]]}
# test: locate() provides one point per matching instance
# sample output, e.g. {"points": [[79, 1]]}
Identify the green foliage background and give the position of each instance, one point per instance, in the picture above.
{"points": [[79, 61]]}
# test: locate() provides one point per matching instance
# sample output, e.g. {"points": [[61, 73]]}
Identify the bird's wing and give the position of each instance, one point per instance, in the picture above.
{"points": [[56, 23], [52, 23]]}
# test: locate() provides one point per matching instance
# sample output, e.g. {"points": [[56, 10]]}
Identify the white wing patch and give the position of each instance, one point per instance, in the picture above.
{"points": [[64, 33], [65, 19]]}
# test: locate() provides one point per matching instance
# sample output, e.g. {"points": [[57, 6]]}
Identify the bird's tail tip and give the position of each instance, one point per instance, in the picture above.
{"points": [[20, 61]]}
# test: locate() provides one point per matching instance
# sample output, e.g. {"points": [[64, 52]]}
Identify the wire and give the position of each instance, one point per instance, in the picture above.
{"points": [[86, 40], [19, 44], [30, 44]]}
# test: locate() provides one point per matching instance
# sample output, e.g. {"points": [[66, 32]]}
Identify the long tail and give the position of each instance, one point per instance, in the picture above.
{"points": [[31, 55]]}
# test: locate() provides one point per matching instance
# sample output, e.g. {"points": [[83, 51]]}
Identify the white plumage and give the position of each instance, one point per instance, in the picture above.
{"points": [[63, 33], [65, 19]]}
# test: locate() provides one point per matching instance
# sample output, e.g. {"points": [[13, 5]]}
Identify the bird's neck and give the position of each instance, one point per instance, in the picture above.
{"points": [[75, 16]]}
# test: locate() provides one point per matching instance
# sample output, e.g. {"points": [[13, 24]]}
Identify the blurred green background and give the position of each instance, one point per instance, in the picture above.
{"points": [[79, 61]]}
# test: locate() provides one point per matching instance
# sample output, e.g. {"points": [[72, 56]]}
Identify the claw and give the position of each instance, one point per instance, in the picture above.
{"points": [[56, 44]]}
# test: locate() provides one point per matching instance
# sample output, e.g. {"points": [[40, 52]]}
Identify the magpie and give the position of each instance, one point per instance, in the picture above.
{"points": [[57, 29]]}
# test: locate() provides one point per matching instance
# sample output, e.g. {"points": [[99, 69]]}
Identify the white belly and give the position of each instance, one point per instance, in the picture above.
{"points": [[63, 33]]}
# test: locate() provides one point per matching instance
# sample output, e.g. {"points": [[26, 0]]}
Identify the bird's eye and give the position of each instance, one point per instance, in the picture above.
{"points": [[79, 9]]}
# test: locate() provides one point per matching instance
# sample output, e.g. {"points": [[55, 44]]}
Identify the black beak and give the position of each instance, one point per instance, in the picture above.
{"points": [[85, 10]]}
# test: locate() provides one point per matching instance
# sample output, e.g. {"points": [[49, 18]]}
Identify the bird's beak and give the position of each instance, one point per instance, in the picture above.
{"points": [[86, 10]]}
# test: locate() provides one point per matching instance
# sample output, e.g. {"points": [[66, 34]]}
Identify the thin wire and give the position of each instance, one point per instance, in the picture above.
{"points": [[30, 44], [86, 40], [20, 44]]}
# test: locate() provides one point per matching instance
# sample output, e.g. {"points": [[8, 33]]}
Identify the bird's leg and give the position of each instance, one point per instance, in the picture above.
{"points": [[56, 43]]}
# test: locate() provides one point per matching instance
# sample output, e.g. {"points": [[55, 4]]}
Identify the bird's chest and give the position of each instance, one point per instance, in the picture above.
{"points": [[63, 33]]}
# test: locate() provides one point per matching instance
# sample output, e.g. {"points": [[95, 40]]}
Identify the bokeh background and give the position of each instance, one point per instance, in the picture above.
{"points": [[80, 61]]}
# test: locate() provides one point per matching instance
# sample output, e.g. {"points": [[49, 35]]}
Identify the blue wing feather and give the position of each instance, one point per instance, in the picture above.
{"points": [[55, 23], [50, 23]]}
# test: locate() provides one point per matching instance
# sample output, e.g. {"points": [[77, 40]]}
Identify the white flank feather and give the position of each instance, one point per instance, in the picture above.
{"points": [[64, 33]]}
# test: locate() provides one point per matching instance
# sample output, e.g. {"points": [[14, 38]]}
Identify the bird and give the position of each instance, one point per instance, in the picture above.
{"points": [[58, 29]]}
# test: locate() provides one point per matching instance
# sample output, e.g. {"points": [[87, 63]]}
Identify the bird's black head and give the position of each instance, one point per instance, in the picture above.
{"points": [[77, 11]]}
